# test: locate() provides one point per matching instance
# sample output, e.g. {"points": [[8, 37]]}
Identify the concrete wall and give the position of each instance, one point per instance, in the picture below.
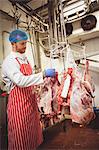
{"points": [[5, 27]]}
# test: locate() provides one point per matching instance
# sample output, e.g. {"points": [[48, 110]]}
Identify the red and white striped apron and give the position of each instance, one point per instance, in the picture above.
{"points": [[24, 130]]}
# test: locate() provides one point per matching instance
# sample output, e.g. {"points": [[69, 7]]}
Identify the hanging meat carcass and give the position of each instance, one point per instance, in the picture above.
{"points": [[81, 108], [45, 97], [47, 101]]}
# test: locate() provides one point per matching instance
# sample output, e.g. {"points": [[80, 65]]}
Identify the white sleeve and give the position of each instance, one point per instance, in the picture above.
{"points": [[11, 70]]}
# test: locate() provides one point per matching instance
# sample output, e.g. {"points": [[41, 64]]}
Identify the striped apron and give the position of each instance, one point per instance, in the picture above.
{"points": [[24, 130]]}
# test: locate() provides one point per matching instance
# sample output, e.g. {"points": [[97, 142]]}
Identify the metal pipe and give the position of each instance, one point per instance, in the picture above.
{"points": [[97, 61], [31, 16], [31, 45], [79, 46], [89, 55], [62, 22], [3, 42]]}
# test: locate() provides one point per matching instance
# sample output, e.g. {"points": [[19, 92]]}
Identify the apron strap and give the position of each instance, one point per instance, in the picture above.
{"points": [[18, 61]]}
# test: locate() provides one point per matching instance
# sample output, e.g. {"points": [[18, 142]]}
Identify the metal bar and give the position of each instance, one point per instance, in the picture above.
{"points": [[97, 61], [40, 8], [34, 17], [7, 15], [89, 55], [79, 46], [92, 54], [3, 42]]}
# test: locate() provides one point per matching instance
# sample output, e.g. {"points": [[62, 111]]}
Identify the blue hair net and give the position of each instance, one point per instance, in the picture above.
{"points": [[17, 36]]}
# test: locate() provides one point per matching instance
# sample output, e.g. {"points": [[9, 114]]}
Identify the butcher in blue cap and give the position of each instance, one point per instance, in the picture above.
{"points": [[18, 39], [24, 129]]}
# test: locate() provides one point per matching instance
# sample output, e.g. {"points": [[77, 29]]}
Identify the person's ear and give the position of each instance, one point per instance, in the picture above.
{"points": [[14, 46]]}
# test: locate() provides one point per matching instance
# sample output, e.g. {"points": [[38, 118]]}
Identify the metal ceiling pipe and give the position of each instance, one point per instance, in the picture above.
{"points": [[41, 8], [3, 49], [18, 1], [28, 11]]}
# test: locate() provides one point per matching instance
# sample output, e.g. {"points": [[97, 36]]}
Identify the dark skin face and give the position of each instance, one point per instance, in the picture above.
{"points": [[19, 46]]}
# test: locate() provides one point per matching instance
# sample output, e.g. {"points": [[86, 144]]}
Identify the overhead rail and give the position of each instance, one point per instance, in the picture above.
{"points": [[29, 11]]}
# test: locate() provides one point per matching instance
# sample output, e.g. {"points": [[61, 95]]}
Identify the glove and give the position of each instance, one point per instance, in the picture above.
{"points": [[50, 72]]}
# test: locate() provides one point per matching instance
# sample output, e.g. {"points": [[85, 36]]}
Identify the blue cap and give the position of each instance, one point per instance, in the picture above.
{"points": [[17, 36]]}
